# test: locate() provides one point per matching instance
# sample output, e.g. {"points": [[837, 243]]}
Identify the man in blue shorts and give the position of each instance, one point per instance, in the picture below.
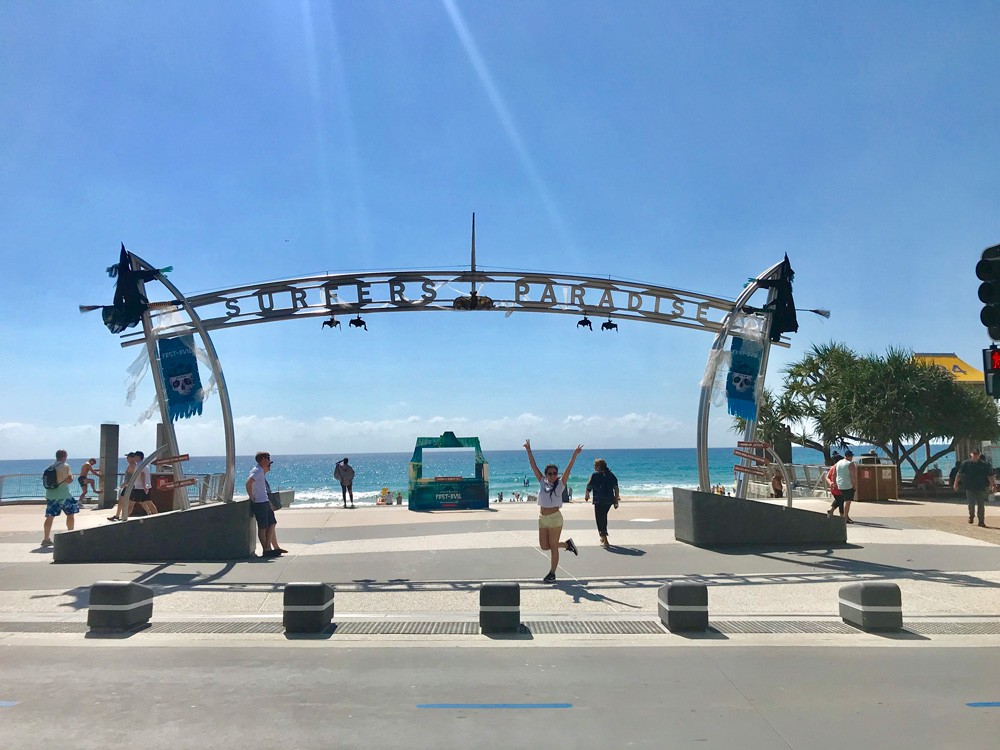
{"points": [[59, 499], [257, 490]]}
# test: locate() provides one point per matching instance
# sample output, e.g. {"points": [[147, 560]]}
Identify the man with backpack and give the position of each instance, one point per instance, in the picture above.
{"points": [[58, 499]]}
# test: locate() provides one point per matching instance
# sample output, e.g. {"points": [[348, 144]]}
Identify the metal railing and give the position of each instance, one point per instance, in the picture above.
{"points": [[28, 488], [803, 481]]}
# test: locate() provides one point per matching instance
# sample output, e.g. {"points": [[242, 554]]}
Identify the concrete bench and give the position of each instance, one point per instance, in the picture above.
{"points": [[683, 606], [119, 605], [500, 607], [308, 607], [872, 606]]}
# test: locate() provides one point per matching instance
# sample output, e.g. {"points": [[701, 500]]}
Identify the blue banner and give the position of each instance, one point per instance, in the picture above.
{"points": [[181, 381], [741, 383]]}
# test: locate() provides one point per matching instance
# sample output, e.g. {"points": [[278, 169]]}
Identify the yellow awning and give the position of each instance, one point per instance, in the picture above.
{"points": [[960, 370]]}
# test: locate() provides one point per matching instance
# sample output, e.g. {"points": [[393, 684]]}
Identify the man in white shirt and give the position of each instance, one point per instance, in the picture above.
{"points": [[846, 474], [261, 506]]}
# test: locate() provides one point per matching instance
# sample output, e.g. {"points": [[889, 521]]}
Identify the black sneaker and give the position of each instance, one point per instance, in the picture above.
{"points": [[571, 547], [550, 578], [270, 553]]}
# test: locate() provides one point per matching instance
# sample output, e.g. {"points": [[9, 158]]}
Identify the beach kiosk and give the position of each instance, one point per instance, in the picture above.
{"points": [[452, 492]]}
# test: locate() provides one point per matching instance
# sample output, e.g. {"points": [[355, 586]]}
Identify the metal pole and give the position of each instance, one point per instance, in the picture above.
{"points": [[226, 491], [705, 400], [750, 431], [161, 396]]}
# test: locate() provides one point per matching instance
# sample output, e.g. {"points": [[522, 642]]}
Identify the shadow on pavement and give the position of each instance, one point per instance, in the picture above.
{"points": [[581, 591], [708, 635], [523, 634], [115, 635], [629, 551], [891, 635]]}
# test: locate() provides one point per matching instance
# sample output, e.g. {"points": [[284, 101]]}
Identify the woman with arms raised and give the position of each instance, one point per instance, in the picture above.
{"points": [[550, 520]]}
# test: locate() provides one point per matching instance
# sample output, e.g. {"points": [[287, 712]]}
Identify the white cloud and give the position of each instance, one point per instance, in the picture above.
{"points": [[279, 434]]}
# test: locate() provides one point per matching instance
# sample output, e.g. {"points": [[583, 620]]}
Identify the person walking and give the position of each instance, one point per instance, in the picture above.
{"points": [[130, 464], [604, 484], [844, 475], [140, 490], [344, 473], [260, 505], [550, 520], [777, 486], [59, 499], [89, 466], [975, 476]]}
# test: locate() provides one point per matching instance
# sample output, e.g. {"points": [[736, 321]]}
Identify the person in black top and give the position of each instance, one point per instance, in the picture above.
{"points": [[604, 485], [975, 476]]}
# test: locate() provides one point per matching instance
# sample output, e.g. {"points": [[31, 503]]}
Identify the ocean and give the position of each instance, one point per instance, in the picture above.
{"points": [[646, 472]]}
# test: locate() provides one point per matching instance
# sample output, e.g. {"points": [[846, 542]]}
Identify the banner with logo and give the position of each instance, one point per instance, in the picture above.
{"points": [[741, 383], [181, 381]]}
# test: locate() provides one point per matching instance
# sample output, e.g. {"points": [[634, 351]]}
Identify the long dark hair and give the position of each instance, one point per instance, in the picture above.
{"points": [[554, 484]]}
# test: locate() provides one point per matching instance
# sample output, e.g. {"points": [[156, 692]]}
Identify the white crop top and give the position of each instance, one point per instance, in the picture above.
{"points": [[551, 499]]}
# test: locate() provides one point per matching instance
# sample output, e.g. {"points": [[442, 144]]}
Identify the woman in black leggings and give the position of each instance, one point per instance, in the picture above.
{"points": [[604, 485]]}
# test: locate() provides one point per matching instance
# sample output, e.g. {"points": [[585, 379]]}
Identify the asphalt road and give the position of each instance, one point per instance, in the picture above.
{"points": [[246, 694]]}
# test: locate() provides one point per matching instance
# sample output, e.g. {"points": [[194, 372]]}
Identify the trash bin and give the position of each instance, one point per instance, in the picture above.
{"points": [[876, 482], [162, 498]]}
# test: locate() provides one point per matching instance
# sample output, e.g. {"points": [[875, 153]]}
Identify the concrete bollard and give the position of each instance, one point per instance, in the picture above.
{"points": [[873, 605], [119, 605], [500, 607], [683, 606], [308, 607]]}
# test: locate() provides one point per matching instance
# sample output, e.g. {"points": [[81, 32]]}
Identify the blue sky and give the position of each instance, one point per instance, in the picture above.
{"points": [[683, 144]]}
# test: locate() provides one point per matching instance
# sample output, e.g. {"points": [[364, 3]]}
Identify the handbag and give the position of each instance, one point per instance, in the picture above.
{"points": [[273, 497]]}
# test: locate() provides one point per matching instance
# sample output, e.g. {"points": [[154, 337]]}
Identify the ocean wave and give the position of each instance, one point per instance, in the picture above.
{"points": [[327, 498]]}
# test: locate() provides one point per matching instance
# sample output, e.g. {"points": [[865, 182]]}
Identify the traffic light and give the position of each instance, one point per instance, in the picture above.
{"points": [[988, 272], [991, 368]]}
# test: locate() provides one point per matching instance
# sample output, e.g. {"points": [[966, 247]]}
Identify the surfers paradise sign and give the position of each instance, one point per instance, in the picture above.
{"points": [[400, 291]]}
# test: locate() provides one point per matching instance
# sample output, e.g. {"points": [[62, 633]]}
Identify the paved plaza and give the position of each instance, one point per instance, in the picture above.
{"points": [[592, 667]]}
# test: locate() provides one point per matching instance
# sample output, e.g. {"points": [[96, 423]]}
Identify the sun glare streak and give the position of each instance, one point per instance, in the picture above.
{"points": [[500, 107], [333, 108]]}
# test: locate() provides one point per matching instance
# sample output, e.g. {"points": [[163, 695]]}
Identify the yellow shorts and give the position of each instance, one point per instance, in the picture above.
{"points": [[551, 521]]}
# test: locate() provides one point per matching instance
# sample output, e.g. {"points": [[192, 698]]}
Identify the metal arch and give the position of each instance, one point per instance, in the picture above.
{"points": [[436, 290], [704, 402], [227, 490], [319, 296]]}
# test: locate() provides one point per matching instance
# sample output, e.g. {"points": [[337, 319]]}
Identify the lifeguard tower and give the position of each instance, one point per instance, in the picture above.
{"points": [[450, 492]]}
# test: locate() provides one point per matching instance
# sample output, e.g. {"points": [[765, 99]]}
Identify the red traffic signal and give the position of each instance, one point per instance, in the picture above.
{"points": [[991, 371]]}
